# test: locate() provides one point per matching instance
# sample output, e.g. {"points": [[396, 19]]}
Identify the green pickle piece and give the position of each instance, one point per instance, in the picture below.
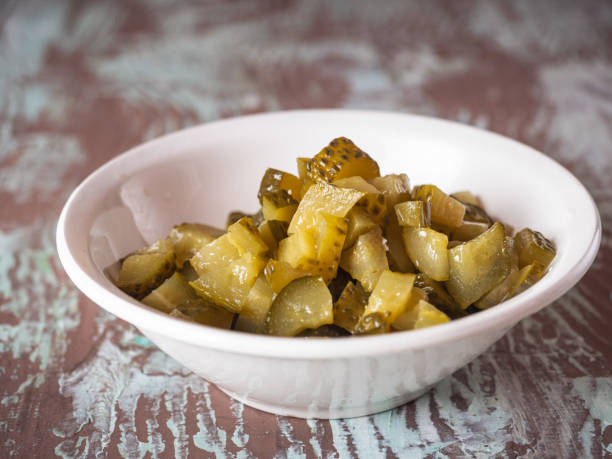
{"points": [[395, 187], [304, 303], [188, 238], [350, 307], [423, 315], [255, 309], [279, 185], [246, 238], [146, 269], [413, 213], [206, 313], [438, 296], [518, 280], [359, 222], [427, 249], [478, 265], [171, 293], [397, 256], [366, 259], [445, 211], [532, 247], [388, 300], [373, 201], [405, 320]]}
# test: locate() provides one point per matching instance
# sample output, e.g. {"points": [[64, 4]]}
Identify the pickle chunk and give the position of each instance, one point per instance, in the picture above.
{"points": [[350, 306], [304, 303], [445, 211], [188, 238], [478, 266], [147, 269], [427, 250], [367, 259], [532, 247]]}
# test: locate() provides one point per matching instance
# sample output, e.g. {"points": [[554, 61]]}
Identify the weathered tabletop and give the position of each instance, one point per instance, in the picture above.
{"points": [[82, 81]]}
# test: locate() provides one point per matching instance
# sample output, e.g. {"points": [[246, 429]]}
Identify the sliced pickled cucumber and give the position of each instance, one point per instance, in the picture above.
{"points": [[438, 296], [206, 313], [395, 188], [245, 236], [255, 309], [171, 293], [406, 320], [508, 287], [359, 222], [445, 211], [397, 256], [423, 315], [466, 197], [340, 159], [388, 300], [322, 198], [304, 303], [478, 265], [427, 249], [330, 236], [468, 230], [229, 285], [279, 185], [366, 259], [188, 238], [298, 250], [279, 209], [413, 213], [350, 307], [234, 216], [373, 201], [279, 273], [532, 247], [272, 232], [219, 253], [146, 269]]}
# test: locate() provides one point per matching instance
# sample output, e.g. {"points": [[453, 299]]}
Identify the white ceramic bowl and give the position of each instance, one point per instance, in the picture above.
{"points": [[201, 173]]}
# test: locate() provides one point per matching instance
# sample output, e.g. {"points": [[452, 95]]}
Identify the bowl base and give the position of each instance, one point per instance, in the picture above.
{"points": [[322, 413]]}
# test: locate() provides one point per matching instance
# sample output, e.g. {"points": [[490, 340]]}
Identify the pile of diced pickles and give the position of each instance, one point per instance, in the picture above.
{"points": [[338, 250]]}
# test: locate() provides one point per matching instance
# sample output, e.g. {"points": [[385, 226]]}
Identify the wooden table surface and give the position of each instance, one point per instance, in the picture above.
{"points": [[82, 81]]}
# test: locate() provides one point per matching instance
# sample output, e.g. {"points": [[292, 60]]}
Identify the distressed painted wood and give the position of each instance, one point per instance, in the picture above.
{"points": [[81, 81]]}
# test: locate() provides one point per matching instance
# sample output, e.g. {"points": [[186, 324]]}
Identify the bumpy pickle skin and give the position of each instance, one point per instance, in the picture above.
{"points": [[445, 211], [350, 307], [304, 303], [532, 247], [478, 265], [366, 259], [188, 238], [341, 159], [427, 249], [373, 202], [395, 188], [276, 184], [146, 269], [388, 300]]}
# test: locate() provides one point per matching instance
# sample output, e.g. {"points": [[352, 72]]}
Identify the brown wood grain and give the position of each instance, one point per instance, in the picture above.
{"points": [[82, 81]]}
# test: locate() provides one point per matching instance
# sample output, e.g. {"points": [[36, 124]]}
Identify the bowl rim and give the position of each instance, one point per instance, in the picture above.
{"points": [[149, 320]]}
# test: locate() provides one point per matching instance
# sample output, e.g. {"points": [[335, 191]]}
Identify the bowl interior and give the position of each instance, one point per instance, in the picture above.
{"points": [[202, 173]]}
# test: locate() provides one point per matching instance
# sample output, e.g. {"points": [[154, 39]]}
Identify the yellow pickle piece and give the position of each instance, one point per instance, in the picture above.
{"points": [[373, 201], [427, 249], [388, 300], [340, 159], [424, 315], [445, 211], [171, 293], [413, 213], [532, 247], [395, 188], [254, 311], [405, 320], [279, 185], [366, 259], [478, 265], [359, 222], [188, 238]]}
